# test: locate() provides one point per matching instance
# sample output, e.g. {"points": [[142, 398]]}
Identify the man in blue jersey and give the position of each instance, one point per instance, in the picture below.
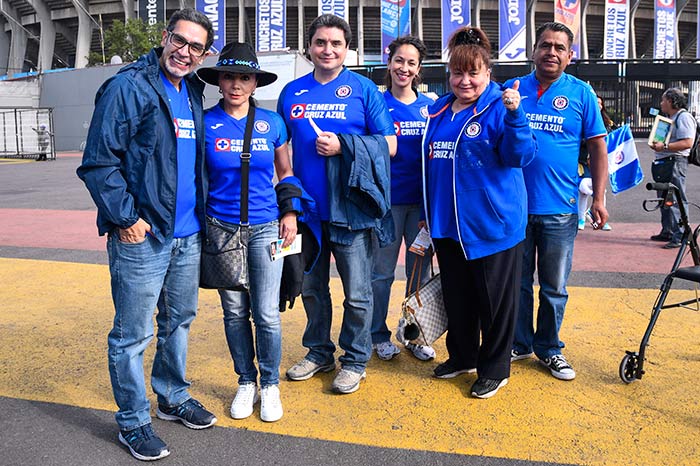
{"points": [[562, 111], [327, 106], [143, 165]]}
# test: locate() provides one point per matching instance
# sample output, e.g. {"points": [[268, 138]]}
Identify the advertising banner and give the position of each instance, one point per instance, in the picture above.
{"points": [[568, 12], [511, 30], [216, 12], [334, 7], [396, 22], [152, 11], [617, 25], [664, 29], [455, 14], [270, 25]]}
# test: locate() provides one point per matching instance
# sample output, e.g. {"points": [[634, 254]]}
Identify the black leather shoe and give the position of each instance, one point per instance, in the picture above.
{"points": [[671, 245], [660, 237]]}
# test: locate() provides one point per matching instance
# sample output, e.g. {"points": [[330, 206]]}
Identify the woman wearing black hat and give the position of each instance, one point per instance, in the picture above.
{"points": [[238, 74]]}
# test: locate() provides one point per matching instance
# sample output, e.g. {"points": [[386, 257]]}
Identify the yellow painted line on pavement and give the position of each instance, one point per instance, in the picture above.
{"points": [[54, 320]]}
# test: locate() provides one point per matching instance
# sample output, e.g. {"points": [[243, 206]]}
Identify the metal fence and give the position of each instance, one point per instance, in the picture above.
{"points": [[629, 88], [19, 138]]}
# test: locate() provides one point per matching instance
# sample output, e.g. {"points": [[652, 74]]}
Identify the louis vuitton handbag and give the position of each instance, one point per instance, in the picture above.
{"points": [[423, 311], [224, 261]]}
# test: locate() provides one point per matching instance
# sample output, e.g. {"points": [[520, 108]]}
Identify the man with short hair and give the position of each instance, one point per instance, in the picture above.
{"points": [[672, 158], [562, 110], [325, 112], [143, 165]]}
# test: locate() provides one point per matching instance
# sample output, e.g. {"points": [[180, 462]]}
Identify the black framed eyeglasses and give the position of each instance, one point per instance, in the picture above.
{"points": [[196, 50]]}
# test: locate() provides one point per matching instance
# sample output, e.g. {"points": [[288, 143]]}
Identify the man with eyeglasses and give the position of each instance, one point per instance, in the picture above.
{"points": [[143, 165]]}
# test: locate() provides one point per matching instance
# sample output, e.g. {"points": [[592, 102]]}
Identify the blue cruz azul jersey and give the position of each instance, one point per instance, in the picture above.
{"points": [[349, 104], [409, 124], [224, 144], [563, 116], [186, 221]]}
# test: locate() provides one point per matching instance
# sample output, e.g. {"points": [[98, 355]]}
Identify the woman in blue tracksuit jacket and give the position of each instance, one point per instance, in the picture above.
{"points": [[475, 143]]}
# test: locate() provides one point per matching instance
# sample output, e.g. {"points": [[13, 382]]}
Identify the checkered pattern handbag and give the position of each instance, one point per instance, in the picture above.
{"points": [[426, 310]]}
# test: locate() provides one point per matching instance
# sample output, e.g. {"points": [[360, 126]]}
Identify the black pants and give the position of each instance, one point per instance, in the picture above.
{"points": [[480, 295]]}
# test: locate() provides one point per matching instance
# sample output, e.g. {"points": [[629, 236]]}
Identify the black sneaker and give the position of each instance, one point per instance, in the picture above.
{"points": [[447, 370], [660, 237], [486, 388], [559, 367], [191, 413], [144, 444], [672, 245], [517, 356]]}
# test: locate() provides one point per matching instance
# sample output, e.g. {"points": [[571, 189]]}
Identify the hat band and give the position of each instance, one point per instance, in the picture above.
{"points": [[231, 61]]}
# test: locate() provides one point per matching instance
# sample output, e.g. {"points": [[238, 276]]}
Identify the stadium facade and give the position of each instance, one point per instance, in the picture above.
{"points": [[40, 35]]}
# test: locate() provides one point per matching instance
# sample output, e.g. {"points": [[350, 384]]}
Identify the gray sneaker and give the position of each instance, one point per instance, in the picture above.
{"points": [[347, 381], [305, 369]]}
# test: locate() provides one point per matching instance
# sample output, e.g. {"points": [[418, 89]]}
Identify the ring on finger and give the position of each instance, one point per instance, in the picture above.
{"points": [[509, 101]]}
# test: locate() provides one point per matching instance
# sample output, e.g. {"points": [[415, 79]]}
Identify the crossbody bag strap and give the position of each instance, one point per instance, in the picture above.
{"points": [[245, 164]]}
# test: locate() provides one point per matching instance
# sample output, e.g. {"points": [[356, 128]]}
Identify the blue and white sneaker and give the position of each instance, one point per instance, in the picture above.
{"points": [[191, 413], [143, 443]]}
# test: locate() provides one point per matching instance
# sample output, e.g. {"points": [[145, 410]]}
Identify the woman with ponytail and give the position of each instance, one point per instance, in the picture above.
{"points": [[409, 109], [476, 141]]}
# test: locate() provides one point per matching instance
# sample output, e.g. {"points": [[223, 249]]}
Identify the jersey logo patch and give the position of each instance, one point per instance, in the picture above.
{"points": [[343, 91], [262, 127], [397, 128], [297, 111], [222, 145], [560, 102], [424, 111], [473, 130]]}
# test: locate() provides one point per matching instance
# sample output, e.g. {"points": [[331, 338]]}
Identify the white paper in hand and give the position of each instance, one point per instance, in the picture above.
{"points": [[422, 242], [315, 126]]}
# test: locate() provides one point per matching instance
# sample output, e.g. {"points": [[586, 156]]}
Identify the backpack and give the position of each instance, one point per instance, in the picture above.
{"points": [[694, 155]]}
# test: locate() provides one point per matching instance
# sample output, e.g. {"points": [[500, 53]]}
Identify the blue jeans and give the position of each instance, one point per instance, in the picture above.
{"points": [[262, 301], [145, 276], [406, 218], [354, 264], [550, 238], [671, 216]]}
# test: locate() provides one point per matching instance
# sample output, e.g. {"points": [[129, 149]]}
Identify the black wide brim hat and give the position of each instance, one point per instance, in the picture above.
{"points": [[236, 57]]}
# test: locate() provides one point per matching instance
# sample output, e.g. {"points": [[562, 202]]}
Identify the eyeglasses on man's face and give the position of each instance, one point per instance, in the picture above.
{"points": [[196, 50]]}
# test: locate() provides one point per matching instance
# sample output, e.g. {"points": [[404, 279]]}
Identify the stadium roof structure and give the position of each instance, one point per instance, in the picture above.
{"points": [[38, 35]]}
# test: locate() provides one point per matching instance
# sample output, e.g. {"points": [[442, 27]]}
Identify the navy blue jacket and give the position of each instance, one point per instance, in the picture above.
{"points": [[488, 187], [359, 183], [130, 158]]}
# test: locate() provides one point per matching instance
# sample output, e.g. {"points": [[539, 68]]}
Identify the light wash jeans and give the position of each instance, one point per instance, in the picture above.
{"points": [[262, 301], [145, 276], [406, 218], [354, 264], [549, 241]]}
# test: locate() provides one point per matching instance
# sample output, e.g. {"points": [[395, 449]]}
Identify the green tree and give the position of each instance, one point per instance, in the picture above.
{"points": [[129, 40]]}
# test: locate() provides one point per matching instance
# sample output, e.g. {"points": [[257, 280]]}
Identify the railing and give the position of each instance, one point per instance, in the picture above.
{"points": [[629, 88], [19, 133]]}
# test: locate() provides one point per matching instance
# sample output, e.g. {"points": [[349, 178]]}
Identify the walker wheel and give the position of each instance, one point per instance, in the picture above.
{"points": [[628, 367]]}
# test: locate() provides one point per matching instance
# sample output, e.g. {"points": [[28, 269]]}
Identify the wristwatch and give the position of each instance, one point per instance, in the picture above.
{"points": [[665, 146]]}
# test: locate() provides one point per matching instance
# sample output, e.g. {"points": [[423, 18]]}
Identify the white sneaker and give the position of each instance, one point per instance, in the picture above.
{"points": [[386, 350], [246, 397], [271, 405], [424, 353]]}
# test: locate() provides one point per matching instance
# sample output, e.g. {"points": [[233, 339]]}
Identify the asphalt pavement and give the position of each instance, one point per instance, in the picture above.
{"points": [[55, 312]]}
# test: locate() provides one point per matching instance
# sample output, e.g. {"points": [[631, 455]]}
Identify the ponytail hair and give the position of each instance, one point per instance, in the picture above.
{"points": [[467, 47]]}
